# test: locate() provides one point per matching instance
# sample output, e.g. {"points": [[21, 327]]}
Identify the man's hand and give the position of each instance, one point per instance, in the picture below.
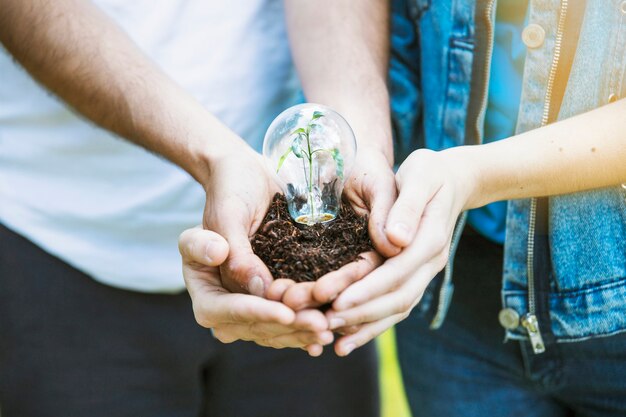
{"points": [[239, 191], [307, 295], [371, 190], [241, 316], [432, 193]]}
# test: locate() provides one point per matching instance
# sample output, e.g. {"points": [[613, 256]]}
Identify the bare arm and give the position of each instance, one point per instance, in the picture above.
{"points": [[581, 153], [584, 152], [341, 51], [77, 52]]}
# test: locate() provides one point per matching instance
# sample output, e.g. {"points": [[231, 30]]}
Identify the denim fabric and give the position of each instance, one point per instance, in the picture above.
{"points": [[404, 75], [455, 372], [505, 89], [465, 369], [587, 230]]}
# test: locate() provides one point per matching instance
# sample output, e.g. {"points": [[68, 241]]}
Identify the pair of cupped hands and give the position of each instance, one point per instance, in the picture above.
{"points": [[411, 219]]}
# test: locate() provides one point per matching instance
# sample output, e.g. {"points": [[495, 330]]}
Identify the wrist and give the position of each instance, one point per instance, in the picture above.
{"points": [[373, 136], [211, 147], [466, 162], [371, 122], [367, 150]]}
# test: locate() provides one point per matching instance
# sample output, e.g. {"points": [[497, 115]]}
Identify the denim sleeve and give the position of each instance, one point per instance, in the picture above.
{"points": [[404, 81]]}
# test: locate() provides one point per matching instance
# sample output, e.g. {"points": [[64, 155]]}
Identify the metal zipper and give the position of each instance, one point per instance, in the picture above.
{"points": [[480, 120], [529, 320], [445, 293]]}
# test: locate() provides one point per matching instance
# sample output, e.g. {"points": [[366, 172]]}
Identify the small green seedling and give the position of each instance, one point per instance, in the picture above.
{"points": [[301, 148]]}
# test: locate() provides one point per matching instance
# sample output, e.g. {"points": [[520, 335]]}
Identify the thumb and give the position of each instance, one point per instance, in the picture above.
{"points": [[243, 271], [202, 246]]}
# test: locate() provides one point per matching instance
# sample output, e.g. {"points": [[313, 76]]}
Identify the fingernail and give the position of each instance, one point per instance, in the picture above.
{"points": [[348, 348], [336, 323], [401, 230], [256, 286]]}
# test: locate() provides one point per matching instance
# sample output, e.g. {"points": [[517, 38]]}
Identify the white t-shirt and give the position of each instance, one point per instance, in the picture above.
{"points": [[104, 205]]}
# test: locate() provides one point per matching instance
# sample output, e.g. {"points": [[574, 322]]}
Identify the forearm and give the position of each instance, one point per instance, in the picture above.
{"points": [[581, 153], [77, 52], [341, 51]]}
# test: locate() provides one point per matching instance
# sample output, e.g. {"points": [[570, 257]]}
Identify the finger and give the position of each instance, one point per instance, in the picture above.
{"points": [[277, 288], [429, 245], [310, 320], [400, 301], [202, 246], [314, 350], [348, 330], [277, 338], [328, 287], [213, 307], [243, 271], [381, 199], [300, 339], [300, 296], [406, 213], [347, 344]]}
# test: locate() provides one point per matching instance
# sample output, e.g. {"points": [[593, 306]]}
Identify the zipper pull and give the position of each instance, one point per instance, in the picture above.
{"points": [[529, 321]]}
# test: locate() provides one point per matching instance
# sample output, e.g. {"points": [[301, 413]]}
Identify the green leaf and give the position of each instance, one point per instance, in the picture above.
{"points": [[338, 162], [296, 148], [299, 131], [317, 115], [282, 159]]}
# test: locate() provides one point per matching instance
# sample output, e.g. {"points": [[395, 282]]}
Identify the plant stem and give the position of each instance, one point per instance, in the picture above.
{"points": [[310, 158]]}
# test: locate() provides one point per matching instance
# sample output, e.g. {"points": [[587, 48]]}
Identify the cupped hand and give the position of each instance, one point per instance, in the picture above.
{"points": [[433, 190], [314, 294], [238, 193], [304, 296], [236, 316], [371, 190]]}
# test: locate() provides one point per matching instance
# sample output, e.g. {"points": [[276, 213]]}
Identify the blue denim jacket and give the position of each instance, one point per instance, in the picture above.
{"points": [[439, 79]]}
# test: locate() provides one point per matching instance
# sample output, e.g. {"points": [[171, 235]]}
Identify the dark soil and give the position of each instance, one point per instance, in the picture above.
{"points": [[306, 253]]}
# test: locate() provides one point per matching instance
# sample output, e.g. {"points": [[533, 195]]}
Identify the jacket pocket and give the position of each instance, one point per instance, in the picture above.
{"points": [[457, 93], [588, 238]]}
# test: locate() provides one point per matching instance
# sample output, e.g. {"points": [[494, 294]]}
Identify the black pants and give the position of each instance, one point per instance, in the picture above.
{"points": [[71, 347]]}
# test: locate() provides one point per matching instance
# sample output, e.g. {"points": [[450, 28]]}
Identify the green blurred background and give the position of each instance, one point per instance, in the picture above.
{"points": [[392, 392]]}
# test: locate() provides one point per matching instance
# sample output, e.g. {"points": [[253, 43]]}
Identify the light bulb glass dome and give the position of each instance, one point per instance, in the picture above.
{"points": [[311, 148]]}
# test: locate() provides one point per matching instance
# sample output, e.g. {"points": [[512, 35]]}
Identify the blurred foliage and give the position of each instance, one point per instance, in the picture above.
{"points": [[394, 402]]}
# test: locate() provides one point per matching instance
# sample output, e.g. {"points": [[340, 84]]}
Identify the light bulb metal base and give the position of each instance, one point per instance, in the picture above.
{"points": [[307, 220]]}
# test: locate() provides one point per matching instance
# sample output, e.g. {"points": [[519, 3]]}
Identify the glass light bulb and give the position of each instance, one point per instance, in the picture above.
{"points": [[311, 148]]}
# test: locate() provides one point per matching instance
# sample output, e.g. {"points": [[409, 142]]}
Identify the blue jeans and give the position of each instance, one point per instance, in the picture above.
{"points": [[465, 369]]}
